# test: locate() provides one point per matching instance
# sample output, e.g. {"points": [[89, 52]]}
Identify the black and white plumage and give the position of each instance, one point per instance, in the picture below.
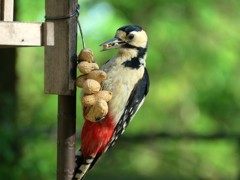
{"points": [[134, 103], [127, 79]]}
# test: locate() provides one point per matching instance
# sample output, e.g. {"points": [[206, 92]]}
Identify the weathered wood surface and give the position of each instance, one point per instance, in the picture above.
{"points": [[26, 34], [60, 74], [66, 137], [60, 60]]}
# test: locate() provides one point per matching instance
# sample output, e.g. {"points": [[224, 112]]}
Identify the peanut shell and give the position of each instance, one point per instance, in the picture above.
{"points": [[89, 100], [91, 86], [86, 67], [100, 108], [98, 111], [80, 80], [98, 75], [86, 55]]}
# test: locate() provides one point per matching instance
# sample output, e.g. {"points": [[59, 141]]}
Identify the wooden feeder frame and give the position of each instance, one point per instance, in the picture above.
{"points": [[59, 37]]}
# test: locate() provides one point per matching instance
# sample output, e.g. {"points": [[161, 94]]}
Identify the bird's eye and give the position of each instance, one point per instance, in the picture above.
{"points": [[130, 36]]}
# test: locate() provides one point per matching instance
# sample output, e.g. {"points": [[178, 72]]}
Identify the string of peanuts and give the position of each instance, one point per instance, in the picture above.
{"points": [[94, 99]]}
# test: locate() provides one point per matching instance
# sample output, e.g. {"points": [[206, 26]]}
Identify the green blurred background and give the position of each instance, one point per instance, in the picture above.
{"points": [[188, 127]]}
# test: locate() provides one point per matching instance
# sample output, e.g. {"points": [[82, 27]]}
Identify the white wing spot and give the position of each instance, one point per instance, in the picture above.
{"points": [[78, 175], [89, 161]]}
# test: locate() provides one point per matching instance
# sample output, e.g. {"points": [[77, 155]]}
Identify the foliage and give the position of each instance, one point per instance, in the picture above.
{"points": [[193, 61]]}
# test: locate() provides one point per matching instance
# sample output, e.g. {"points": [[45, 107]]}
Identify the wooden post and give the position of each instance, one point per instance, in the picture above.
{"points": [[66, 137], [60, 73], [6, 10], [61, 59]]}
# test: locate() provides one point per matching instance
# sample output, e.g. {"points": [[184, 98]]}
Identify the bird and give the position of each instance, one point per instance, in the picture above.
{"points": [[128, 80]]}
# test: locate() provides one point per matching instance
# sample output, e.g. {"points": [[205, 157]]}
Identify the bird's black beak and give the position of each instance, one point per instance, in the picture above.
{"points": [[112, 44]]}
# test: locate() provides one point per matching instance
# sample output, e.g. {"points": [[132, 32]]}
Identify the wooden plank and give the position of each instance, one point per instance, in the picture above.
{"points": [[60, 60], [7, 10], [25, 34], [20, 34]]}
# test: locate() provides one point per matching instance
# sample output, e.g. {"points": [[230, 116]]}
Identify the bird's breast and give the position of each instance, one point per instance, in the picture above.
{"points": [[120, 81]]}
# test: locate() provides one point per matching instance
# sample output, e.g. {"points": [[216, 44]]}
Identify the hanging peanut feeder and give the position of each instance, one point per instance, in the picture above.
{"points": [[94, 99]]}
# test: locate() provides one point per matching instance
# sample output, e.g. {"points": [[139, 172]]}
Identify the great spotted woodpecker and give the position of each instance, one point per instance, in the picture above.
{"points": [[127, 79]]}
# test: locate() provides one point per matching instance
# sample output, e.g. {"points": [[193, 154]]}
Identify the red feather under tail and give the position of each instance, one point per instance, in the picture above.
{"points": [[95, 138]]}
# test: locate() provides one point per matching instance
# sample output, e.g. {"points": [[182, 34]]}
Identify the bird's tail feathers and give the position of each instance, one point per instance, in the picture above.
{"points": [[82, 165]]}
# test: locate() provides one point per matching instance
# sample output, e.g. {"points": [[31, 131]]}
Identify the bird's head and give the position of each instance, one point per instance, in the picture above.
{"points": [[127, 37]]}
